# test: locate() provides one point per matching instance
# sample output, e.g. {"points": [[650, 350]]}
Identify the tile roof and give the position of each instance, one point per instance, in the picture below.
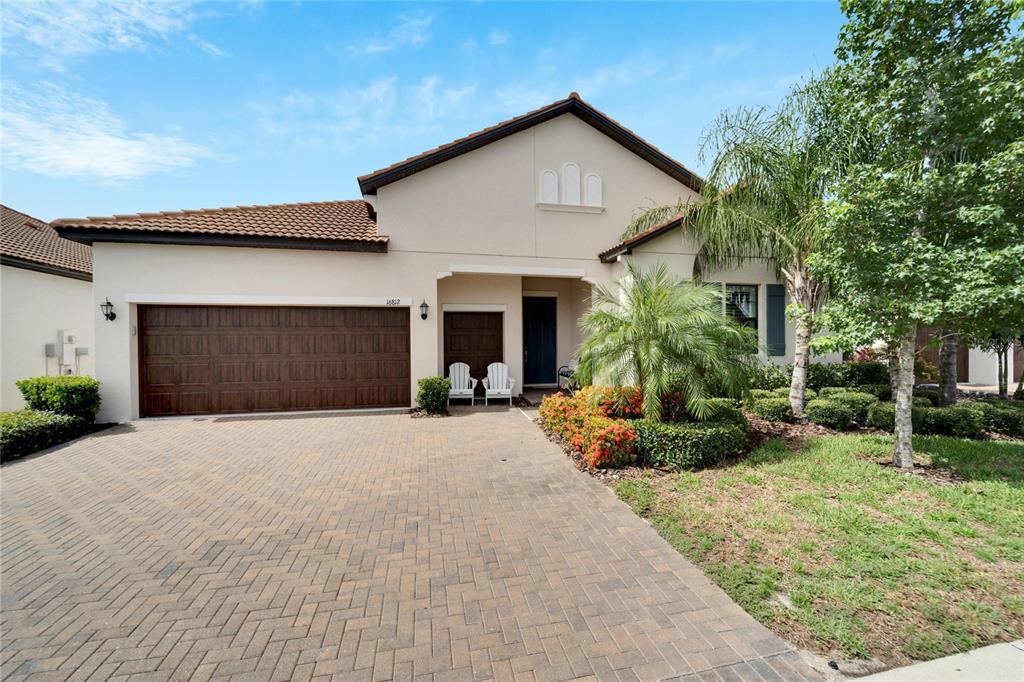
{"points": [[573, 104], [327, 221], [627, 245], [25, 238]]}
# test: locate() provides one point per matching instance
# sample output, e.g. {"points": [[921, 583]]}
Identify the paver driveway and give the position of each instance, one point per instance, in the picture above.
{"points": [[368, 547]]}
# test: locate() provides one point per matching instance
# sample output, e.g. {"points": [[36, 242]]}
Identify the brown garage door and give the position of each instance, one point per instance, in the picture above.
{"points": [[473, 338], [230, 359]]}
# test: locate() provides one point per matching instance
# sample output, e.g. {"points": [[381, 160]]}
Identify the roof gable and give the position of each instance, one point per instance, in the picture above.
{"points": [[573, 104]]}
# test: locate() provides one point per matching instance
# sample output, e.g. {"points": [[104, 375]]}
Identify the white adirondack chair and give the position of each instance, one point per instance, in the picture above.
{"points": [[463, 385], [497, 383]]}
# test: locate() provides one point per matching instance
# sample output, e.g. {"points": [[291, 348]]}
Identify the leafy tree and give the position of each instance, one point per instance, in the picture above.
{"points": [[661, 333], [928, 231], [771, 170]]}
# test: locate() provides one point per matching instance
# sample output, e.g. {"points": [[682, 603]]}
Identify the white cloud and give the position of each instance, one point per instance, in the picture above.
{"points": [[67, 29], [497, 37], [51, 131], [518, 98], [413, 30], [383, 109], [726, 52], [619, 75], [206, 46]]}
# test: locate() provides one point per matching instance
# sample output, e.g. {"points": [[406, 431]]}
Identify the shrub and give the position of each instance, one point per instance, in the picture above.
{"points": [[433, 394], [832, 390], [830, 412], [846, 374], [857, 402], [1001, 418], [883, 416], [724, 412], [608, 442], [688, 446], [882, 391], [75, 396], [768, 377], [932, 396], [602, 440], [27, 431], [919, 401], [617, 402], [959, 421], [925, 370], [773, 409], [809, 393]]}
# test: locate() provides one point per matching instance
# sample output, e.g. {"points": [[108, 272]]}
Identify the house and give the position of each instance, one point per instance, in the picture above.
{"points": [[484, 249], [47, 302]]}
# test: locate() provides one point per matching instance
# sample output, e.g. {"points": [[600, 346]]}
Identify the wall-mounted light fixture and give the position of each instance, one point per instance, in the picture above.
{"points": [[108, 310], [424, 308]]}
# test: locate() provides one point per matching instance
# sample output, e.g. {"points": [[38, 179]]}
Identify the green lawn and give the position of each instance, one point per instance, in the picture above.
{"points": [[837, 553]]}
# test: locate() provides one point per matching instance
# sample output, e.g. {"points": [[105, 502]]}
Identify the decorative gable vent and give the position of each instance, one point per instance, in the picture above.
{"points": [[585, 197]]}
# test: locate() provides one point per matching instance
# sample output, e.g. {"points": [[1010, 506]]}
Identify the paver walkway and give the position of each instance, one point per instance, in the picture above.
{"points": [[367, 547]]}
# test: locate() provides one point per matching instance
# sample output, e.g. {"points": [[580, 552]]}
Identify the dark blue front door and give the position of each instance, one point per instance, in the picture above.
{"points": [[539, 315]]}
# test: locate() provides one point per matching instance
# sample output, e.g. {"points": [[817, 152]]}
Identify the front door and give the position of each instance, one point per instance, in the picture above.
{"points": [[539, 325]]}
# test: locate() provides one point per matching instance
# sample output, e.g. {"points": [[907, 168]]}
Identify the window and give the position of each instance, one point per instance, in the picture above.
{"points": [[741, 303]]}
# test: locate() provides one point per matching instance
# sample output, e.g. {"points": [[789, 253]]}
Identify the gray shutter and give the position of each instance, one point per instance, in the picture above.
{"points": [[775, 337]]}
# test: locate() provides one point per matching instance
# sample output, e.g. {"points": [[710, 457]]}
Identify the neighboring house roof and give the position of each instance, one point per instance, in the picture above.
{"points": [[30, 243], [334, 225], [573, 104], [627, 245]]}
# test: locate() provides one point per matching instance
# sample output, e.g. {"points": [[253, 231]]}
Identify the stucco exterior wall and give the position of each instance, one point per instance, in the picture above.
{"points": [[35, 305], [486, 201], [132, 273]]}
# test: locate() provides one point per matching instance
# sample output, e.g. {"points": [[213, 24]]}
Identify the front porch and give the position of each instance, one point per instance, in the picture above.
{"points": [[527, 322]]}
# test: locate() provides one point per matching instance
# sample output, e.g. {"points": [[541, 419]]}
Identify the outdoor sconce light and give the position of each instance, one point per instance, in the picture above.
{"points": [[108, 310], [423, 310]]}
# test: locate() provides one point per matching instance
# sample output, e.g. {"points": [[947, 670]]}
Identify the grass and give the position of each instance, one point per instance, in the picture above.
{"points": [[839, 554]]}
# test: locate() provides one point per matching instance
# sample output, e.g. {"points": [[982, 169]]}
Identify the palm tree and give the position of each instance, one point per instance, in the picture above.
{"points": [[771, 171], [663, 334]]}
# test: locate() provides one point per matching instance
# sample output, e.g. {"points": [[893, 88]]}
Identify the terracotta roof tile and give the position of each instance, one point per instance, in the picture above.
{"points": [[26, 238], [626, 245], [350, 220]]}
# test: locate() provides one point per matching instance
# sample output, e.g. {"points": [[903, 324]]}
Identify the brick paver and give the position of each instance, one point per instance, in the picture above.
{"points": [[356, 547]]}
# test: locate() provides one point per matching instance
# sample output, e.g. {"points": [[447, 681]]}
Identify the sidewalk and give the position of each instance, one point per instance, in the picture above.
{"points": [[994, 663]]}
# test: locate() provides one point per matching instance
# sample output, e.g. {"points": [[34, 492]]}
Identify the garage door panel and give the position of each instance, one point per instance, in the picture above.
{"points": [[231, 359]]}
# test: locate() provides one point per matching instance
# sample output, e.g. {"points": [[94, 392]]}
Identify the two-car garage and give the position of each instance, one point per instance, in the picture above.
{"points": [[204, 359]]}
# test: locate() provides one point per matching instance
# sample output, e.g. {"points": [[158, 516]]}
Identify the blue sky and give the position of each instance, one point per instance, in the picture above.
{"points": [[121, 108]]}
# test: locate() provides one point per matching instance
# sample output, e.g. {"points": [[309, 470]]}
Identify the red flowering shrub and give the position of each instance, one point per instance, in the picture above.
{"points": [[603, 440], [617, 402]]}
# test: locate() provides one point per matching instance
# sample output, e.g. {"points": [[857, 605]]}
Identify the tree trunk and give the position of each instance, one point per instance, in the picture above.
{"points": [[903, 447], [893, 351], [801, 356], [947, 367], [1003, 379]]}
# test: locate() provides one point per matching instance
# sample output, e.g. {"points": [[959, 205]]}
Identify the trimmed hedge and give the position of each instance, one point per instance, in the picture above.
{"points": [[26, 431], [919, 401], [724, 411], [932, 396], [688, 446], [857, 402], [809, 393], [883, 416], [433, 394], [1003, 417], [773, 409], [75, 396], [959, 421], [830, 412], [880, 391]]}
